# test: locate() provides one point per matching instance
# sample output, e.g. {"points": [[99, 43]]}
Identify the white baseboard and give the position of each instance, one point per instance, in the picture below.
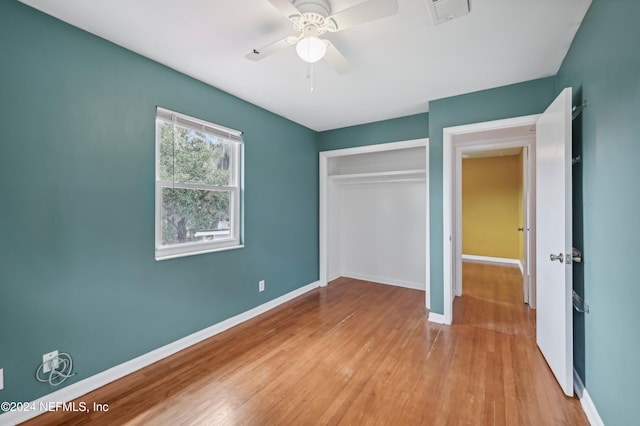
{"points": [[489, 259], [384, 280], [588, 406], [334, 277], [437, 318], [96, 381]]}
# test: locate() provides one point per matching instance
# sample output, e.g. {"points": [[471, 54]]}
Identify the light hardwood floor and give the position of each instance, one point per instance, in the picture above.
{"points": [[354, 353]]}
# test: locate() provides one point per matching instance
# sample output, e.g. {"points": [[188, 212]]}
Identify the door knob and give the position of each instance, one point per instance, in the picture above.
{"points": [[559, 257], [521, 229]]}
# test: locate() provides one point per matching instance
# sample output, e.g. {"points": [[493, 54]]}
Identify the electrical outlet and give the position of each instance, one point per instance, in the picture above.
{"points": [[261, 285], [50, 361], [1, 378]]}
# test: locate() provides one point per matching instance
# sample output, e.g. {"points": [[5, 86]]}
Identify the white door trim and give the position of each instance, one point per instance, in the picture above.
{"points": [[324, 200], [451, 164]]}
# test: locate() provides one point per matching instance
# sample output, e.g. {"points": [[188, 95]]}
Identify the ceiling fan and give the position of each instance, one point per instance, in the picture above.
{"points": [[312, 18]]}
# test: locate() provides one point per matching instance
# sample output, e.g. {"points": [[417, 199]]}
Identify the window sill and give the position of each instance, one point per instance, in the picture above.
{"points": [[160, 256]]}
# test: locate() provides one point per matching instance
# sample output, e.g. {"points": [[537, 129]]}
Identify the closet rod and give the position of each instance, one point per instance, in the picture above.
{"points": [[393, 180]]}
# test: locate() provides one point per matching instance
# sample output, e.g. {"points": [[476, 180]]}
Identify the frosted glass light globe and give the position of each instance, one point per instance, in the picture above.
{"points": [[311, 49]]}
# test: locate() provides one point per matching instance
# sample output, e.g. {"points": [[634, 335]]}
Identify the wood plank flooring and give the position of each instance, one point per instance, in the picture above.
{"points": [[354, 353]]}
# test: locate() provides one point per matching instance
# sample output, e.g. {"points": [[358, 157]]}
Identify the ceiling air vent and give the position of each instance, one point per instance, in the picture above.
{"points": [[447, 10]]}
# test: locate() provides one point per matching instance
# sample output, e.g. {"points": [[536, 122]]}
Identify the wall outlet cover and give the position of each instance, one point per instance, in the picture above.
{"points": [[1, 378], [50, 361]]}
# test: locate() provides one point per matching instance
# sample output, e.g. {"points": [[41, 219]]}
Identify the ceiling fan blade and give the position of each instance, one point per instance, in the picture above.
{"points": [[285, 6], [366, 11], [335, 59], [270, 49]]}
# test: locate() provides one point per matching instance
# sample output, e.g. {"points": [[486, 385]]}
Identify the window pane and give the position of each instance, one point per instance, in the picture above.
{"points": [[191, 215], [193, 157]]}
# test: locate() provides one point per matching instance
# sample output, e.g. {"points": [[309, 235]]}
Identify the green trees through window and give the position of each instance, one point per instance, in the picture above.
{"points": [[197, 179]]}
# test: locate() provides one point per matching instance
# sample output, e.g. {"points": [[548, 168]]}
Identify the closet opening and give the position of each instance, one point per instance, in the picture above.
{"points": [[374, 221]]}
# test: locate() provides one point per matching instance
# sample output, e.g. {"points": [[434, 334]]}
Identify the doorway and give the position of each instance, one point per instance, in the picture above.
{"points": [[492, 195], [461, 140]]}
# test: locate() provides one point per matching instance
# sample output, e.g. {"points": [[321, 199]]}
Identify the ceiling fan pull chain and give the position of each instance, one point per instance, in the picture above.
{"points": [[310, 75]]}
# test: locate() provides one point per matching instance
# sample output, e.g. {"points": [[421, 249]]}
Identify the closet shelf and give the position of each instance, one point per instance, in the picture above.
{"points": [[377, 177]]}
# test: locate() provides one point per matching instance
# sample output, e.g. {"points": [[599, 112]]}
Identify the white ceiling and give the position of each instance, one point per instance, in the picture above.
{"points": [[398, 64]]}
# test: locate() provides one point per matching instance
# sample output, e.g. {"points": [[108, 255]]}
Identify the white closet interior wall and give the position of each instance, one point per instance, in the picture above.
{"points": [[377, 210]]}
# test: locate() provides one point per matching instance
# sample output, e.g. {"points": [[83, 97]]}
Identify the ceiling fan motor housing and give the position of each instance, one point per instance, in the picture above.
{"points": [[318, 7], [312, 21]]}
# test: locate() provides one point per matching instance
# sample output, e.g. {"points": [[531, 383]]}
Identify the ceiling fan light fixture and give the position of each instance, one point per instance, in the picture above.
{"points": [[311, 49]]}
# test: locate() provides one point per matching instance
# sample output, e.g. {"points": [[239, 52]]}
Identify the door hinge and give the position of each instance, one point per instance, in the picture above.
{"points": [[577, 109], [579, 304], [576, 255]]}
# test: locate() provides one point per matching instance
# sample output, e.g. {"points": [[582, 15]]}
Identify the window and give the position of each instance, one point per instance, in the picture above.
{"points": [[198, 175]]}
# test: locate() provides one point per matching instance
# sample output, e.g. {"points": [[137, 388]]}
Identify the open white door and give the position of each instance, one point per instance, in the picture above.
{"points": [[554, 323]]}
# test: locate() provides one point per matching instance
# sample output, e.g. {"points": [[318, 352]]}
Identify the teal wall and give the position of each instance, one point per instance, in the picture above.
{"points": [[603, 67], [77, 267], [393, 130], [531, 97]]}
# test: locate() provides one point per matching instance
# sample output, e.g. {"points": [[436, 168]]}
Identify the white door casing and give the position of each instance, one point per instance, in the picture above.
{"points": [[554, 321]]}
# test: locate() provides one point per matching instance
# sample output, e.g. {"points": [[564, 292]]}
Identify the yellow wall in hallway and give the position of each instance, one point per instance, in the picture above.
{"points": [[492, 206]]}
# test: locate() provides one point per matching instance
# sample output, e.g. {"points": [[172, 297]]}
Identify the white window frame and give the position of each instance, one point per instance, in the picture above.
{"points": [[234, 188]]}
